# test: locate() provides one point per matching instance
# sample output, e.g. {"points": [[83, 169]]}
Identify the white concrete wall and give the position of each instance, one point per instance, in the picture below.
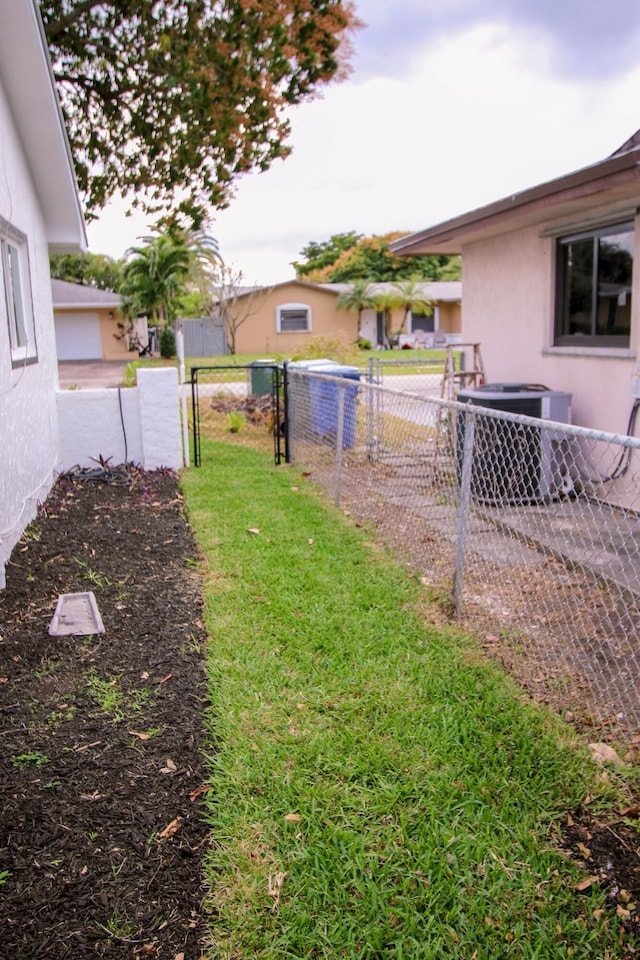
{"points": [[509, 306], [28, 412], [137, 425]]}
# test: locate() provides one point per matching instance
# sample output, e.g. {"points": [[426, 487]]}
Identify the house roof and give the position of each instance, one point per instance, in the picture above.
{"points": [[610, 186], [76, 296], [442, 290], [445, 291], [27, 79]]}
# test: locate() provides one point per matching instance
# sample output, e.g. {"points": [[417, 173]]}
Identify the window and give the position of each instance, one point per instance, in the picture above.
{"points": [[17, 293], [594, 276], [293, 318], [420, 322]]}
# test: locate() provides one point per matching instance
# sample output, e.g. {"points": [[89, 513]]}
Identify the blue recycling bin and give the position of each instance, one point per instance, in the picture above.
{"points": [[324, 400]]}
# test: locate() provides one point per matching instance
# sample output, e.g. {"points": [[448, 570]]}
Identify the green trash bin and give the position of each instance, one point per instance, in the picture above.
{"points": [[261, 377]]}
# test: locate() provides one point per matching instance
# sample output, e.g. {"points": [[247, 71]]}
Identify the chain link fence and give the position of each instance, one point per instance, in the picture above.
{"points": [[526, 532]]}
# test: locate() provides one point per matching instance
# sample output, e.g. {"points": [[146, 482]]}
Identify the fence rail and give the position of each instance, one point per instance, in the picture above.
{"points": [[527, 531]]}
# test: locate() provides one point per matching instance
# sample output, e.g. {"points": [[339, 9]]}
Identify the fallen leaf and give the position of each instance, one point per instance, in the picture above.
{"points": [[4, 679], [622, 912], [294, 488], [170, 766], [171, 829], [179, 956], [140, 736], [193, 796], [586, 853], [275, 886], [310, 540], [585, 884], [603, 753], [293, 818], [254, 530]]}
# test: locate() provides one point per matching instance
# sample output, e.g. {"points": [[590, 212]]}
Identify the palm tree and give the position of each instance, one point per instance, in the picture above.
{"points": [[360, 296], [410, 296], [155, 276]]}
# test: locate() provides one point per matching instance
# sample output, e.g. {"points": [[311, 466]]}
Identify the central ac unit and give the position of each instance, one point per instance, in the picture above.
{"points": [[514, 462]]}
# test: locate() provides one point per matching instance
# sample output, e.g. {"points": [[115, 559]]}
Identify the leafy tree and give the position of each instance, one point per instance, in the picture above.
{"points": [[359, 296], [369, 258], [317, 256], [89, 269], [154, 278], [171, 100], [410, 296]]}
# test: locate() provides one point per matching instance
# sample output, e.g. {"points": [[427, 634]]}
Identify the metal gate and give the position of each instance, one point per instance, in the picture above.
{"points": [[255, 388]]}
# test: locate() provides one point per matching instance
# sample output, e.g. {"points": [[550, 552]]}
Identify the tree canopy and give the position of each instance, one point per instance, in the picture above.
{"points": [[171, 100], [154, 278], [350, 256], [88, 269]]}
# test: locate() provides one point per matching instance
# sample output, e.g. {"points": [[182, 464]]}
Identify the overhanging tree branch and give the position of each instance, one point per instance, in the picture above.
{"points": [[171, 101]]}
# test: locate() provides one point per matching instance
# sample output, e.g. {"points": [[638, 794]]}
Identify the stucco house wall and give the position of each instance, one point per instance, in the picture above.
{"points": [[39, 212], [509, 308], [259, 332], [510, 275]]}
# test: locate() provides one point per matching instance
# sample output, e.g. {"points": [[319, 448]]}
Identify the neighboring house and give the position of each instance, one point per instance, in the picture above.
{"points": [[282, 319], [441, 326], [90, 326], [40, 214], [551, 290]]}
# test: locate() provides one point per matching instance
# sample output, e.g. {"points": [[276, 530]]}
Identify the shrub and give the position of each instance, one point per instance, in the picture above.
{"points": [[336, 347], [167, 343]]}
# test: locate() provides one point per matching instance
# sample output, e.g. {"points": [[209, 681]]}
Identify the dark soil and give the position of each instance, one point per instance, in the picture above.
{"points": [[100, 833]]}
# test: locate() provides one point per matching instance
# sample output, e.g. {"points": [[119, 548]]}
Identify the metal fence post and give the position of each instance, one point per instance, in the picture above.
{"points": [[339, 439], [465, 502]]}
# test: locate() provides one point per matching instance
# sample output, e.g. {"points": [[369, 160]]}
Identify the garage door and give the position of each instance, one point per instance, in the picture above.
{"points": [[78, 336]]}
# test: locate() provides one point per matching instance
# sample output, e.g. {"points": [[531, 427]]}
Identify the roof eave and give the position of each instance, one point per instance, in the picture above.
{"points": [[28, 81]]}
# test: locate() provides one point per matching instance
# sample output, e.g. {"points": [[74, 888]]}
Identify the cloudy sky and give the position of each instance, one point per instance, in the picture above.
{"points": [[451, 104]]}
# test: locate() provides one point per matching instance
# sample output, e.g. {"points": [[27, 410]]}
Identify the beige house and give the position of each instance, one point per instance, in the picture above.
{"points": [[281, 320], [90, 326], [550, 289]]}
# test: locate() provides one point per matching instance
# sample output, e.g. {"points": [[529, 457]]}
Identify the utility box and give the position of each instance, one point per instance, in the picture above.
{"points": [[514, 462]]}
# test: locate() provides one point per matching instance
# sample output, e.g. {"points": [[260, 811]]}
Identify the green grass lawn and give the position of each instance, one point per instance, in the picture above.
{"points": [[360, 358], [378, 789]]}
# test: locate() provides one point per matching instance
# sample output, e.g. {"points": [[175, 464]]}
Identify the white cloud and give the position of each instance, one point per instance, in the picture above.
{"points": [[477, 115]]}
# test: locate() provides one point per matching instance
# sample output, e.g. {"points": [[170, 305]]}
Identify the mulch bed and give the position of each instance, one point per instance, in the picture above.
{"points": [[100, 832]]}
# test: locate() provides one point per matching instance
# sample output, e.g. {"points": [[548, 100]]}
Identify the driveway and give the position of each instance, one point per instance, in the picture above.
{"points": [[90, 374]]}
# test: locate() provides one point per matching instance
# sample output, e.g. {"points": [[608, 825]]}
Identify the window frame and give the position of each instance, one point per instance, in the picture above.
{"points": [[17, 296], [298, 307], [593, 339]]}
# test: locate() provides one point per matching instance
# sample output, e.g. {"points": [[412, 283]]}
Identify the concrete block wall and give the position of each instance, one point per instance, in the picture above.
{"points": [[139, 424]]}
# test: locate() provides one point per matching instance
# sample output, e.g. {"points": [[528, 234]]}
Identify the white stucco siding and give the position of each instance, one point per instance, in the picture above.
{"points": [[28, 413], [508, 307]]}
